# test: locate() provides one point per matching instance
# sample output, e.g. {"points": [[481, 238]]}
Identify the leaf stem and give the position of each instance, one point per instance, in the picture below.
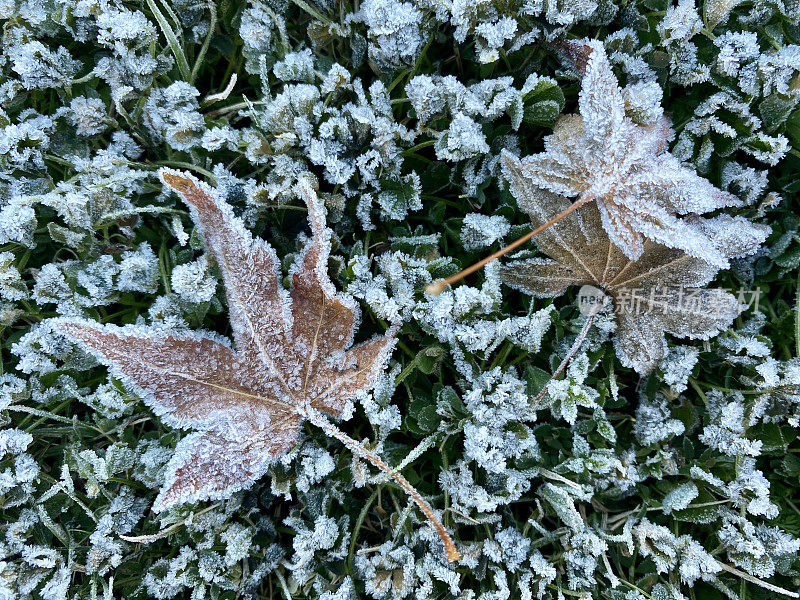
{"points": [[206, 43], [359, 522], [410, 457], [437, 287], [108, 217], [306, 7], [320, 421], [797, 318], [575, 346]]}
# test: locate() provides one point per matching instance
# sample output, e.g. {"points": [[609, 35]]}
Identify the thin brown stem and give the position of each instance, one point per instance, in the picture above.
{"points": [[320, 421], [575, 346], [437, 287]]}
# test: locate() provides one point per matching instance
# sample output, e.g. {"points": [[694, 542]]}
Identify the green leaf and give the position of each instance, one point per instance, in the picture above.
{"points": [[423, 416], [605, 429], [776, 439], [428, 419], [397, 196], [542, 113], [516, 111], [790, 465], [545, 89], [775, 110], [450, 401], [68, 237], [535, 380], [563, 504], [429, 358]]}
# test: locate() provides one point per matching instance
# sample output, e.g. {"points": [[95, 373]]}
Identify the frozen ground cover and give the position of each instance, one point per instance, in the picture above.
{"points": [[654, 466]]}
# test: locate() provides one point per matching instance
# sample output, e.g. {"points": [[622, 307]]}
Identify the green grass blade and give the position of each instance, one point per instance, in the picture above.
{"points": [[172, 41]]}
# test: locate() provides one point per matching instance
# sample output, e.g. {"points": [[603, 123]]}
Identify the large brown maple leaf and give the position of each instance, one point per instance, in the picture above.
{"points": [[661, 291], [292, 359]]}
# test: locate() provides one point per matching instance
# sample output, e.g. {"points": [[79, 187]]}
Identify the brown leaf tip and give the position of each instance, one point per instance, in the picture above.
{"points": [[177, 181], [188, 186], [316, 209], [453, 555]]}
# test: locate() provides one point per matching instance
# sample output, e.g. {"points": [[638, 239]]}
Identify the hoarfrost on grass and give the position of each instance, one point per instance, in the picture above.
{"points": [[356, 104]]}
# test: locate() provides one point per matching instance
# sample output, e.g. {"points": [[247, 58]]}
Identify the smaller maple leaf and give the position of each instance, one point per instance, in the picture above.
{"points": [[641, 190], [658, 292], [292, 359]]}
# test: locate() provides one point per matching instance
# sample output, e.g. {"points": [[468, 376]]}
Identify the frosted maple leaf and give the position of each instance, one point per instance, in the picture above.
{"points": [[292, 359], [641, 190], [661, 291]]}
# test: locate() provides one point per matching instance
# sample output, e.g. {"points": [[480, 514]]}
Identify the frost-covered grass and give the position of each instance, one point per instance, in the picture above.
{"points": [[678, 484]]}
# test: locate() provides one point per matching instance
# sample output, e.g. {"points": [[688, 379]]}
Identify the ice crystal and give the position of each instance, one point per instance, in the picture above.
{"points": [[138, 270], [727, 427], [193, 281], [316, 464], [394, 32], [88, 115], [755, 548], [643, 102], [464, 139], [709, 130], [261, 30], [751, 490], [679, 498], [463, 318], [493, 36], [654, 423], [670, 553], [322, 536], [21, 470], [680, 23], [497, 400], [509, 548], [504, 489], [22, 143], [677, 367], [479, 230], [779, 383], [110, 402], [567, 394], [582, 558], [296, 66], [174, 117], [748, 182], [42, 346], [39, 67], [391, 293], [12, 287]]}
